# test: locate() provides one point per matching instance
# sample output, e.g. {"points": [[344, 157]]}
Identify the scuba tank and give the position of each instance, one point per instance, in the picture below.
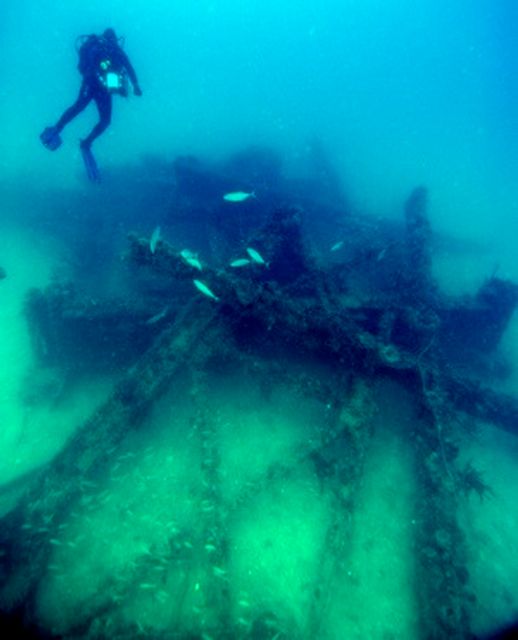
{"points": [[88, 50], [95, 60], [81, 40]]}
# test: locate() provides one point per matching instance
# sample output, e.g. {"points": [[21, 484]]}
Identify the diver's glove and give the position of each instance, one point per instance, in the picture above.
{"points": [[137, 90]]}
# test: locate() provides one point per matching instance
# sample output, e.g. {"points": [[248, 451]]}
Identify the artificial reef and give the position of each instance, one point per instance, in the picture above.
{"points": [[370, 310]]}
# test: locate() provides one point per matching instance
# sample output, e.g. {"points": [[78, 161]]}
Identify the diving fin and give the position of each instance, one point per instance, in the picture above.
{"points": [[50, 138], [92, 170]]}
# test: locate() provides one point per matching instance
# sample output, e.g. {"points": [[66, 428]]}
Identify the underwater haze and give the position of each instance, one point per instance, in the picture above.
{"points": [[260, 380], [402, 93]]}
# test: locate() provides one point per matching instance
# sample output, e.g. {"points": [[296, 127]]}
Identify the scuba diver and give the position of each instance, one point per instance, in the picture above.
{"points": [[105, 69]]}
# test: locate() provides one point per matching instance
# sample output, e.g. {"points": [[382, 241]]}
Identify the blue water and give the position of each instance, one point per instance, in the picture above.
{"points": [[402, 93]]}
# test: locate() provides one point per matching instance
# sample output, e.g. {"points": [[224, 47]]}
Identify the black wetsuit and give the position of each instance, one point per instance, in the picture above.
{"points": [[95, 50]]}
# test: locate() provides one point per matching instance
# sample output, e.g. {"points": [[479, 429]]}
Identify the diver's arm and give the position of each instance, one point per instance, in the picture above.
{"points": [[131, 73]]}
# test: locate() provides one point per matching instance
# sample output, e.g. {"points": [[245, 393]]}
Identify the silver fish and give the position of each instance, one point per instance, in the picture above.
{"points": [[153, 241], [337, 245], [158, 316], [191, 259], [203, 288], [256, 256], [194, 262], [240, 262], [238, 196]]}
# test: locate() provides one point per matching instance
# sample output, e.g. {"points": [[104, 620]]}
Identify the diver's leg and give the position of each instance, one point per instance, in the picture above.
{"points": [[103, 100], [50, 135], [92, 170], [84, 97]]}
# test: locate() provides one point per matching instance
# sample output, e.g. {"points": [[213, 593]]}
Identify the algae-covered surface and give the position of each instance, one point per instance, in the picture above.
{"points": [[247, 504]]}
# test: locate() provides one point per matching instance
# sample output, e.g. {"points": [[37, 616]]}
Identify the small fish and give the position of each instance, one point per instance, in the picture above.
{"points": [[243, 622], [337, 245], [203, 288], [191, 259], [155, 237], [240, 262], [194, 262], [238, 196], [256, 256], [154, 319]]}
